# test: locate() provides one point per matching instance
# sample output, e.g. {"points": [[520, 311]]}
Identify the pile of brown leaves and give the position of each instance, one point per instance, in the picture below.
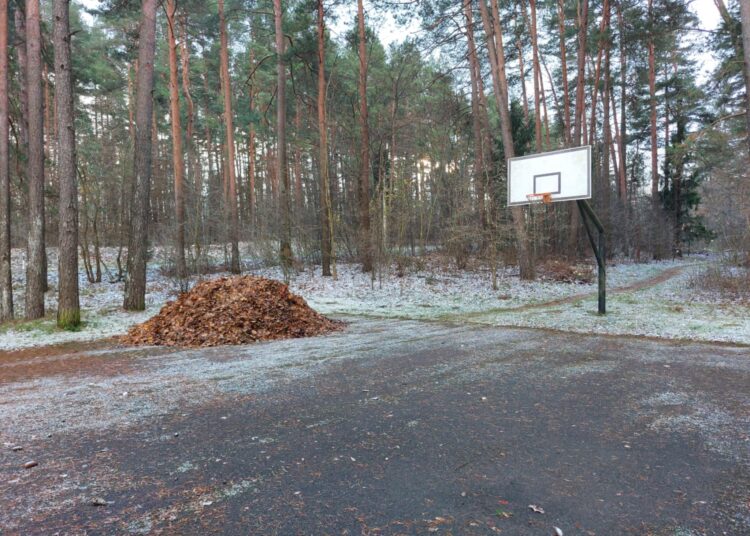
{"points": [[231, 310], [565, 272]]}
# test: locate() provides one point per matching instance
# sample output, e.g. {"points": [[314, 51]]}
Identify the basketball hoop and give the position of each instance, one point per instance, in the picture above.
{"points": [[545, 198], [551, 177]]}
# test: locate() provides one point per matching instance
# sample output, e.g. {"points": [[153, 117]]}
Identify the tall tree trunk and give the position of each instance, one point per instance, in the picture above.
{"points": [[537, 78], [522, 73], [299, 200], [285, 247], [580, 109], [622, 137], [49, 136], [607, 134], [479, 150], [178, 162], [745, 19], [6, 281], [495, 30], [234, 222], [251, 168], [652, 100], [68, 308], [500, 82], [213, 197], [194, 172], [326, 217], [131, 100], [19, 21], [564, 71], [601, 46], [583, 15], [364, 170], [35, 247], [135, 287]]}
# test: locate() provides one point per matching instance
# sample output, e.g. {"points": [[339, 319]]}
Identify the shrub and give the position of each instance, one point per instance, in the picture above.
{"points": [[730, 282]]}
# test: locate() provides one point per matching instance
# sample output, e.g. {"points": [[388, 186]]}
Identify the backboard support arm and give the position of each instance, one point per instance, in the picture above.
{"points": [[588, 214]]}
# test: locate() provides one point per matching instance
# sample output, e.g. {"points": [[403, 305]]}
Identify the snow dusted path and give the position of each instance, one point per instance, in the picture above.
{"points": [[663, 277], [390, 427]]}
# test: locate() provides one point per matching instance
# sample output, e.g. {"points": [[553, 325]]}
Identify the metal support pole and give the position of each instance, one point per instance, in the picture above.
{"points": [[602, 261], [600, 251]]}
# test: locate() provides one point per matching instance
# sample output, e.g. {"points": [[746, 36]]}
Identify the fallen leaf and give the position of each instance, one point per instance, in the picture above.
{"points": [[537, 509]]}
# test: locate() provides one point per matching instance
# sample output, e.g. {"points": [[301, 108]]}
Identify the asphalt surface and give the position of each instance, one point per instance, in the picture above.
{"points": [[390, 427]]}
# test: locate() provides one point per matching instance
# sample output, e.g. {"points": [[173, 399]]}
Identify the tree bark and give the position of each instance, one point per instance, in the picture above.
{"points": [[580, 110], [234, 224], [299, 199], [537, 78], [500, 82], [581, 74], [35, 247], [564, 71], [601, 46], [251, 167], [19, 23], [6, 282], [135, 287], [178, 162], [364, 170], [68, 307], [652, 101], [479, 150], [607, 127], [522, 73], [622, 136], [326, 217], [285, 246], [745, 19], [194, 173]]}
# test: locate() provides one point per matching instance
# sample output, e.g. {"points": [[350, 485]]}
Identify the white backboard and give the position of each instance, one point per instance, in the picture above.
{"points": [[565, 174]]}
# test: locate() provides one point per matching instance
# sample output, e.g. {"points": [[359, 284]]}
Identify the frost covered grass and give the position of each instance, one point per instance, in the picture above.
{"points": [[101, 304], [672, 310], [430, 290], [442, 292]]}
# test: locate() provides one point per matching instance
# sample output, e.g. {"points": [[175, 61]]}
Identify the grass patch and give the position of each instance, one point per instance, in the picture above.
{"points": [[41, 326]]}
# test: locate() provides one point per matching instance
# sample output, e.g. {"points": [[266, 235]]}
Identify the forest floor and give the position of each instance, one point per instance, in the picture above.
{"points": [[388, 427], [657, 299]]}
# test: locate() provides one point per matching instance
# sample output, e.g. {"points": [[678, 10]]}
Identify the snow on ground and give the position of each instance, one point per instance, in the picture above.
{"points": [[431, 291], [672, 310], [437, 291]]}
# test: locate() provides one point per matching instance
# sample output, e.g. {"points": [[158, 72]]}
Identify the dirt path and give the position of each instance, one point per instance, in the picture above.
{"points": [[662, 277]]}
